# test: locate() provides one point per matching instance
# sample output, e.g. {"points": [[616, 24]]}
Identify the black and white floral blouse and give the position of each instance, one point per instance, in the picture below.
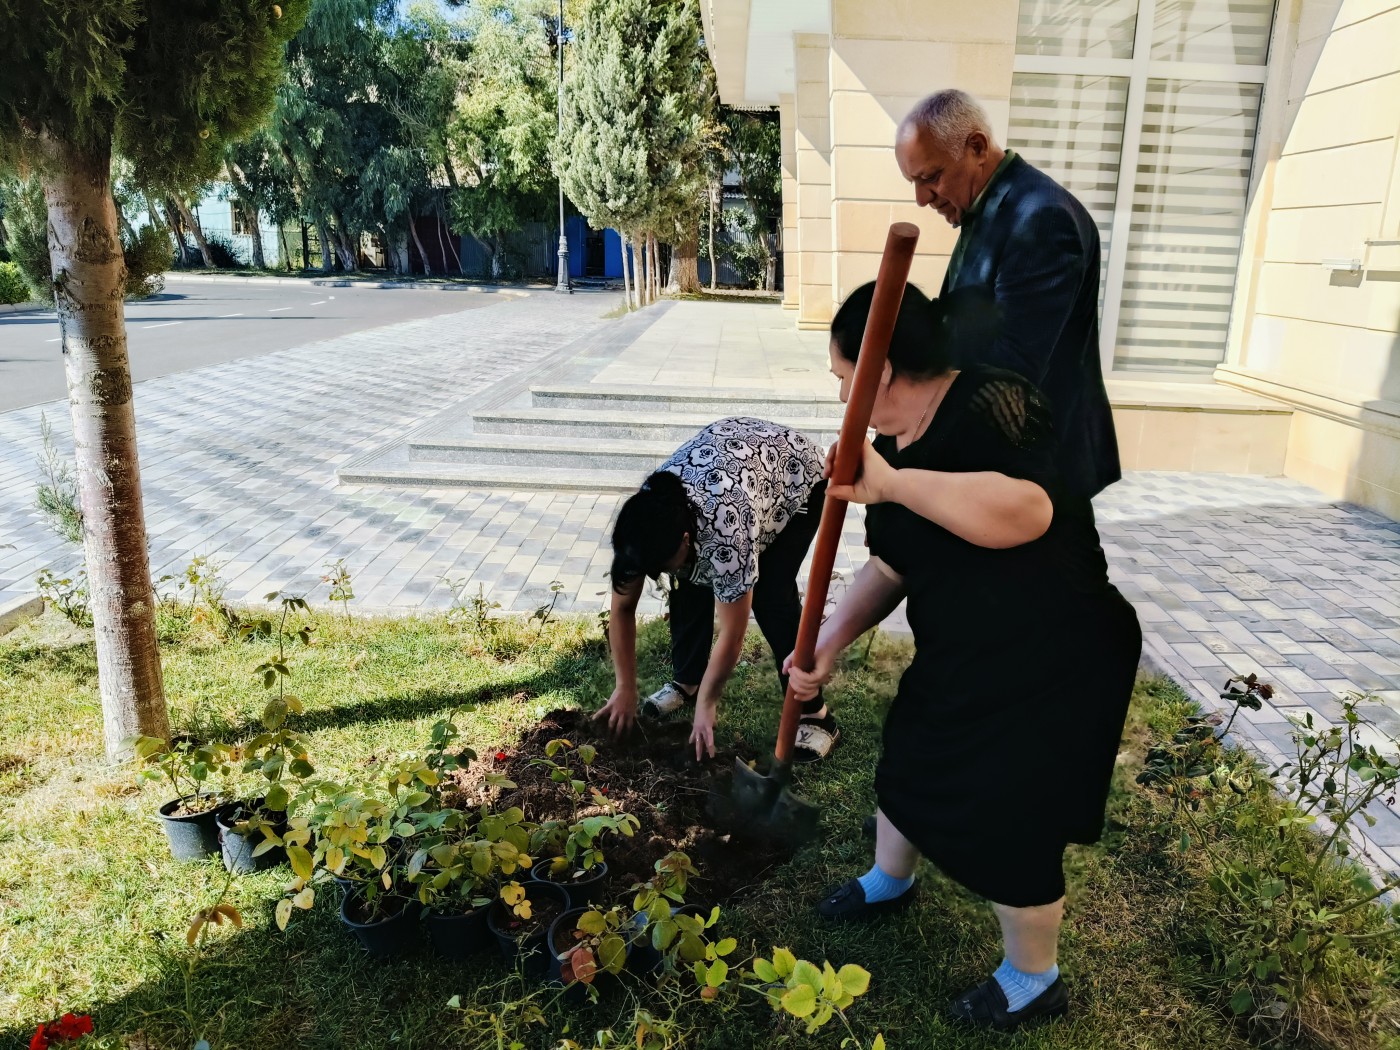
{"points": [[746, 478]]}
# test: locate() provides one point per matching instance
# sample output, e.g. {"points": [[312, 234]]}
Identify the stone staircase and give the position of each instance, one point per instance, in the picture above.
{"points": [[583, 437]]}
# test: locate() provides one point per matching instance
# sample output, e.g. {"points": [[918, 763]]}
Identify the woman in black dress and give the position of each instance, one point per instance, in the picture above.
{"points": [[999, 746]]}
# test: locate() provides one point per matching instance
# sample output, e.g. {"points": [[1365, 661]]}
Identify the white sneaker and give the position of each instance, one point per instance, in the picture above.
{"points": [[670, 697]]}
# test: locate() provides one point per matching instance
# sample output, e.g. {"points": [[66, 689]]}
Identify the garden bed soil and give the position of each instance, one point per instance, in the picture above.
{"points": [[652, 775]]}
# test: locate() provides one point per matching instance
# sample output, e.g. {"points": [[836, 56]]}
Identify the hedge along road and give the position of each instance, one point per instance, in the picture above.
{"points": [[197, 323]]}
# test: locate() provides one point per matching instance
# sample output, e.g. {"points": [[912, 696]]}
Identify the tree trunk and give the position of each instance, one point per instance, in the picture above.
{"points": [[626, 286], [655, 270], [286, 252], [253, 221], [323, 234], [177, 234], [685, 263], [714, 260], [89, 275], [413, 229], [770, 268], [639, 271], [195, 231], [345, 247]]}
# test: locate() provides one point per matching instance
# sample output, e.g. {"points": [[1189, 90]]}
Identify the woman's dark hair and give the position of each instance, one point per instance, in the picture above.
{"points": [[649, 528], [922, 343]]}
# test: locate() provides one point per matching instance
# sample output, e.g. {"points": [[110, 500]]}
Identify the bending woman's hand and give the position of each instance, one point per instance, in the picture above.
{"points": [[702, 732], [873, 477], [807, 683], [619, 714]]}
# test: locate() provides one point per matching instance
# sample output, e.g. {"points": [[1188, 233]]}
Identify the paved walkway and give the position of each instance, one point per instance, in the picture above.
{"points": [[1229, 574]]}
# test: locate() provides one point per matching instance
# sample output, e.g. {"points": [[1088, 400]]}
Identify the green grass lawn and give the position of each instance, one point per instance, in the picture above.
{"points": [[93, 911]]}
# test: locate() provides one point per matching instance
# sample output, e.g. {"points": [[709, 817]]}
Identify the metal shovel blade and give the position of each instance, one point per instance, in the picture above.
{"points": [[765, 803]]}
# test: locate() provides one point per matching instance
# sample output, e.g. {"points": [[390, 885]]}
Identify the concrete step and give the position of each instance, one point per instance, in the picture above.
{"points": [[492, 476], [528, 452], [716, 402], [667, 427]]}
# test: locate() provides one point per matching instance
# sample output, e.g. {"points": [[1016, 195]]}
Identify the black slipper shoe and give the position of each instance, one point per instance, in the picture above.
{"points": [[847, 902], [986, 1007]]}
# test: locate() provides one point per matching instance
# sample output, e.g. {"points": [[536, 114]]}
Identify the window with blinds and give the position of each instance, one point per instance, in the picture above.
{"points": [[1147, 110], [1072, 129]]}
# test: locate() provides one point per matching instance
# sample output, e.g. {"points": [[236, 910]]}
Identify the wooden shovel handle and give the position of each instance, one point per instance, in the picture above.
{"points": [[870, 365]]}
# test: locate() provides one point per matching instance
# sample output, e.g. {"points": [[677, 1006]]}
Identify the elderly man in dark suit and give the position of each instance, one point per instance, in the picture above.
{"points": [[1027, 243]]}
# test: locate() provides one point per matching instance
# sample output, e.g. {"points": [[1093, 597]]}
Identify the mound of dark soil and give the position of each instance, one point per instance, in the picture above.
{"points": [[652, 775]]}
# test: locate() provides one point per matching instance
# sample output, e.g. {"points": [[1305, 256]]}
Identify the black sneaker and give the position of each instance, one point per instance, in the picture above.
{"points": [[986, 1007], [847, 902]]}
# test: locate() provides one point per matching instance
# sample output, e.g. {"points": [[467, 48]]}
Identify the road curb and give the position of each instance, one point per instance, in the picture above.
{"points": [[333, 282], [22, 308], [15, 611]]}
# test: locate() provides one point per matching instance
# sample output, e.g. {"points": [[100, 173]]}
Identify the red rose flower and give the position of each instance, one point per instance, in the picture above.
{"points": [[40, 1040], [500, 756]]}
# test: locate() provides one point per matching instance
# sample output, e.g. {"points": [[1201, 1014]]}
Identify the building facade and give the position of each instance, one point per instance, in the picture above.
{"points": [[1239, 157]]}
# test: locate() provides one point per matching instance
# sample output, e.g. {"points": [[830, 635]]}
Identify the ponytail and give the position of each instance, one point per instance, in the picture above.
{"points": [[649, 529]]}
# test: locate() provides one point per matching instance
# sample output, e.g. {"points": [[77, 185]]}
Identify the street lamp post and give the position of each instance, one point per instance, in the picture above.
{"points": [[562, 284]]}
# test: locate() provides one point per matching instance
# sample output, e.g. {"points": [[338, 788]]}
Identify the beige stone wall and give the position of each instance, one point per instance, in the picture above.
{"points": [[813, 148], [1327, 342], [792, 270], [885, 56]]}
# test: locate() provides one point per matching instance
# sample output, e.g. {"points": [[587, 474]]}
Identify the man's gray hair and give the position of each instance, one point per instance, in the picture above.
{"points": [[950, 116]]}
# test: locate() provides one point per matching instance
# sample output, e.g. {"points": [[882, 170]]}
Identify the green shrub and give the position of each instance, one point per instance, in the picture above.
{"points": [[27, 219], [1289, 923], [222, 251], [13, 288], [148, 256]]}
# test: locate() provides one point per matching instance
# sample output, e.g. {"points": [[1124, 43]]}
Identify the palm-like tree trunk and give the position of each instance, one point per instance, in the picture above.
{"points": [[626, 285], [89, 274]]}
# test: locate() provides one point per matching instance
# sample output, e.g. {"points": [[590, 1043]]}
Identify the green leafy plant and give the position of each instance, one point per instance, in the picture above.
{"points": [[680, 938], [337, 576], [1283, 913], [206, 587], [68, 594], [56, 496], [597, 945], [573, 845], [545, 612], [12, 286], [812, 994], [188, 768], [473, 609]]}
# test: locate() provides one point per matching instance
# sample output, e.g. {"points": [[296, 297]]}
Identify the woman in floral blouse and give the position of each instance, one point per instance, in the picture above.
{"points": [[729, 517]]}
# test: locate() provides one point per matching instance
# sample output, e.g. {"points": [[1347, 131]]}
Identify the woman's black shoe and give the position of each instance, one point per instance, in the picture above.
{"points": [[847, 901], [986, 1007]]}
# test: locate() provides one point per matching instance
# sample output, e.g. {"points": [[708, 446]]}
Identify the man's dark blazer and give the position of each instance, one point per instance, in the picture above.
{"points": [[1034, 247]]}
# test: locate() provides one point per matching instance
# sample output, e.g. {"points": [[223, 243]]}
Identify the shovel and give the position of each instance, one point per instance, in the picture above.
{"points": [[763, 801]]}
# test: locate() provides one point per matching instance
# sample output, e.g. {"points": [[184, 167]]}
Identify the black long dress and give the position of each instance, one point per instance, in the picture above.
{"points": [[999, 746]]}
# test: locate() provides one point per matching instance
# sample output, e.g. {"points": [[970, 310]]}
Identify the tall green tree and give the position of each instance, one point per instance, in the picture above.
{"points": [[165, 83], [630, 154], [754, 143], [504, 124]]}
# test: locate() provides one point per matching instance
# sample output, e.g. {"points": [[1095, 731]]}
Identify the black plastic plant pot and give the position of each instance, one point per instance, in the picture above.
{"points": [[511, 934], [588, 888], [238, 849], [394, 934], [458, 937], [559, 943], [644, 957], [192, 836]]}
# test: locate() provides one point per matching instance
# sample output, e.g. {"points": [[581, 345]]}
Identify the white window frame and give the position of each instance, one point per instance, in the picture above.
{"points": [[1138, 70]]}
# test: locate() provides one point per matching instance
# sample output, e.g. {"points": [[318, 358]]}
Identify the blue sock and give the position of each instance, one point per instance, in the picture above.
{"points": [[1021, 989], [881, 887]]}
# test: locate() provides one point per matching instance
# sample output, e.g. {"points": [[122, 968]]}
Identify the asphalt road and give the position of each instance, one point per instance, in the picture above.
{"points": [[191, 325]]}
